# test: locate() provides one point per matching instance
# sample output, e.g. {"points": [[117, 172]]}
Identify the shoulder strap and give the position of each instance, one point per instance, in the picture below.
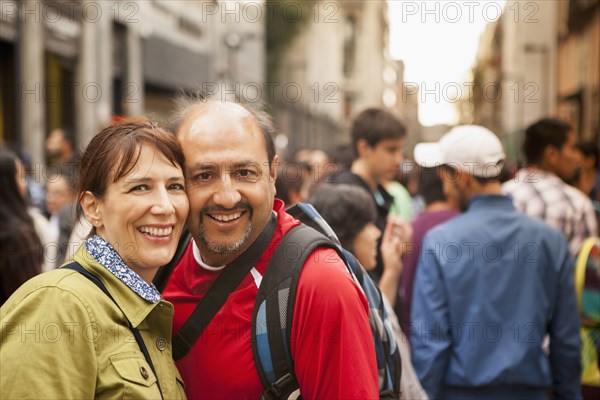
{"points": [[273, 316], [273, 311], [309, 216], [75, 266], [164, 273], [227, 281], [580, 266]]}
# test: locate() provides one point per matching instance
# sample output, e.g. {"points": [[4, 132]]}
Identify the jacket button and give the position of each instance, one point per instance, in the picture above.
{"points": [[161, 343], [144, 373]]}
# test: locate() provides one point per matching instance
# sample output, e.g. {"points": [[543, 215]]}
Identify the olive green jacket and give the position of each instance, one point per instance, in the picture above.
{"points": [[61, 337]]}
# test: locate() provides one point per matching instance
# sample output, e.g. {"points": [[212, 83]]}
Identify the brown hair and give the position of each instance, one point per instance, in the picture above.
{"points": [[374, 125], [117, 148]]}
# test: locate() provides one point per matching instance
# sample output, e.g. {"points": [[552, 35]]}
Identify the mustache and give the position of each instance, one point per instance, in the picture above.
{"points": [[240, 206]]}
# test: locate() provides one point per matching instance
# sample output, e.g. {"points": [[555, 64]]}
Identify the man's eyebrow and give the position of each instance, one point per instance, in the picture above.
{"points": [[242, 164], [214, 166], [204, 167]]}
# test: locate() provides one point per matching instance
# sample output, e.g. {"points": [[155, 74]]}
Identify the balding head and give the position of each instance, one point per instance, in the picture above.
{"points": [[194, 113]]}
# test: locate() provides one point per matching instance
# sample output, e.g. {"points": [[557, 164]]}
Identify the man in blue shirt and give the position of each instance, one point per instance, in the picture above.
{"points": [[490, 285]]}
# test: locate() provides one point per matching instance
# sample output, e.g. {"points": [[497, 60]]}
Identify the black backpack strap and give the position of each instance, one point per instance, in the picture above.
{"points": [[273, 311], [164, 273], [227, 281], [75, 266], [384, 336]]}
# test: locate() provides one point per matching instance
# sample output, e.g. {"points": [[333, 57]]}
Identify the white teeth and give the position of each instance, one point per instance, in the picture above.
{"points": [[156, 231], [227, 218]]}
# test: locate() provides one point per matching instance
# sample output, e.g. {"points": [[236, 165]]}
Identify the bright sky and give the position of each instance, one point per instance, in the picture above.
{"points": [[438, 41]]}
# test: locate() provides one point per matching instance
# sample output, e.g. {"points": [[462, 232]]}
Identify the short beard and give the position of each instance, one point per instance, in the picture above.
{"points": [[223, 248]]}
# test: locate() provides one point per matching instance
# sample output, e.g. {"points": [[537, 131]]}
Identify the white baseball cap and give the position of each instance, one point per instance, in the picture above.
{"points": [[471, 148]]}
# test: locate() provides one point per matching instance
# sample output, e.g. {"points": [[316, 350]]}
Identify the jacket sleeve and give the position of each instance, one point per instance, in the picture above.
{"points": [[430, 346], [332, 343], [564, 334], [47, 347]]}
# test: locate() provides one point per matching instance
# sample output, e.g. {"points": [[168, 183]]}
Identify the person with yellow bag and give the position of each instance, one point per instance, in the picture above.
{"points": [[587, 286]]}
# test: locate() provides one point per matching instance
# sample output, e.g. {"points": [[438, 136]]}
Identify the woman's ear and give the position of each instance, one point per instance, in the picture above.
{"points": [[92, 211]]}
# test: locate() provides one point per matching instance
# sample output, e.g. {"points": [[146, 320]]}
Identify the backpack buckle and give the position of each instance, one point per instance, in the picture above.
{"points": [[285, 387]]}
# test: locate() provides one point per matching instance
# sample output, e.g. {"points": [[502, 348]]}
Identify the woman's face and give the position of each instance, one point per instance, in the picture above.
{"points": [[142, 214], [58, 194], [365, 246]]}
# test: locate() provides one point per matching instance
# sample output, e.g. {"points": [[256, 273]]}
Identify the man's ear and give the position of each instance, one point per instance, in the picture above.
{"points": [[466, 181], [274, 166], [550, 155], [362, 147], [91, 209]]}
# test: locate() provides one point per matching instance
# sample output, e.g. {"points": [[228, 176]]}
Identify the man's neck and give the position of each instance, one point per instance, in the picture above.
{"points": [[494, 188], [587, 180], [360, 168], [203, 263], [66, 157], [541, 167]]}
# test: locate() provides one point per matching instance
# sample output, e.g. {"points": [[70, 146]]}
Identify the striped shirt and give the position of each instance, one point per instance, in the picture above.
{"points": [[543, 195]]}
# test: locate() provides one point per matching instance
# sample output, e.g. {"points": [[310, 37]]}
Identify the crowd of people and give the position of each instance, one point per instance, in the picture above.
{"points": [[134, 270]]}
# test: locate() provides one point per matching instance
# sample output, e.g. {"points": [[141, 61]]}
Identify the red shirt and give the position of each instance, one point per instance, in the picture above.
{"points": [[332, 344]]}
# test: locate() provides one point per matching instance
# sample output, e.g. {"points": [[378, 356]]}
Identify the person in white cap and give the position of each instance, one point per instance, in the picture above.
{"points": [[490, 285]]}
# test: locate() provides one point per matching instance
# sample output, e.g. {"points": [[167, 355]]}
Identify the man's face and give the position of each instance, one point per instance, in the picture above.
{"points": [[384, 159], [54, 145], [567, 161], [229, 183]]}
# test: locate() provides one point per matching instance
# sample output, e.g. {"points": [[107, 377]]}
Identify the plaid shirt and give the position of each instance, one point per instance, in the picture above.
{"points": [[543, 195]]}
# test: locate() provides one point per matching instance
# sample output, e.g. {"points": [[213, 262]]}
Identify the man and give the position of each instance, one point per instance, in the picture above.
{"points": [[378, 138], [60, 150], [490, 285], [230, 178], [540, 191], [62, 208]]}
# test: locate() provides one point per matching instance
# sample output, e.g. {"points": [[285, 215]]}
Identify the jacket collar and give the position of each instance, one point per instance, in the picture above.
{"points": [[486, 201], [133, 295]]}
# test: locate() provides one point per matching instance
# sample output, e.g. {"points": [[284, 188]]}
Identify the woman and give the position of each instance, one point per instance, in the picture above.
{"points": [[351, 213], [75, 340], [21, 252]]}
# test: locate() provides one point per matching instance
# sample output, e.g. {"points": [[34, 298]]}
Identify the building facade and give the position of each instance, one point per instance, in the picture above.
{"points": [[541, 59], [82, 64], [336, 65], [578, 72]]}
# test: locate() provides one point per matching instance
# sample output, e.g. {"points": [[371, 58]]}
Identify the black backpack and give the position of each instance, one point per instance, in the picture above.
{"points": [[274, 307]]}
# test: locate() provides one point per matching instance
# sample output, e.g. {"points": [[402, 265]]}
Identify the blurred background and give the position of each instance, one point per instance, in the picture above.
{"points": [[502, 64]]}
